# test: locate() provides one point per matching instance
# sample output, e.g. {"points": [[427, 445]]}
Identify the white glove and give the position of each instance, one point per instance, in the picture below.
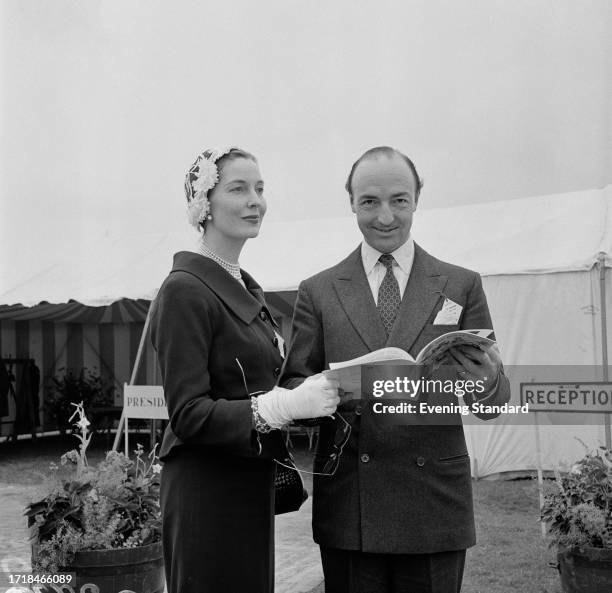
{"points": [[317, 396]]}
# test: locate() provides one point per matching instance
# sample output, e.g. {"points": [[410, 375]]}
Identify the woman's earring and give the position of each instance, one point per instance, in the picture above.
{"points": [[209, 217]]}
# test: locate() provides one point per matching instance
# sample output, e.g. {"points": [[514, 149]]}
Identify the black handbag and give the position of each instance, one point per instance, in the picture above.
{"points": [[289, 491]]}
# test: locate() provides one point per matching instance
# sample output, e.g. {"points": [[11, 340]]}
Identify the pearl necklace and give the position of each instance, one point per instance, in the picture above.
{"points": [[206, 251]]}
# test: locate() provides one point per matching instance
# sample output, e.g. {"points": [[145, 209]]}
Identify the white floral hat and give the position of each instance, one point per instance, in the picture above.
{"points": [[202, 176]]}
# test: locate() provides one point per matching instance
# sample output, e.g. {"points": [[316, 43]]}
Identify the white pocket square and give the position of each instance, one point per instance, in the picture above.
{"points": [[449, 314]]}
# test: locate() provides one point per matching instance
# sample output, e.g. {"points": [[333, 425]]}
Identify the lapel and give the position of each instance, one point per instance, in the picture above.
{"points": [[355, 296], [245, 304], [258, 293], [423, 292]]}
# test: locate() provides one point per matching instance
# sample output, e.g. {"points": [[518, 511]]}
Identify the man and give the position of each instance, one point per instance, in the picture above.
{"points": [[396, 515]]}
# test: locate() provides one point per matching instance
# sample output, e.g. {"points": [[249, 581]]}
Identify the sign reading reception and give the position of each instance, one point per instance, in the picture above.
{"points": [[144, 401], [568, 397]]}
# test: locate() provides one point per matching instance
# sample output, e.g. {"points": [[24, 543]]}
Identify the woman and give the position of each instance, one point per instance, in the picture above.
{"points": [[216, 345]]}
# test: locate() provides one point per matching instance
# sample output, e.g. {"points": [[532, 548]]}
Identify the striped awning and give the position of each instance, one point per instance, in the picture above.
{"points": [[122, 311]]}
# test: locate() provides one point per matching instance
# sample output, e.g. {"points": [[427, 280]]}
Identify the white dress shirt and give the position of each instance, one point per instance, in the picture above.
{"points": [[375, 271]]}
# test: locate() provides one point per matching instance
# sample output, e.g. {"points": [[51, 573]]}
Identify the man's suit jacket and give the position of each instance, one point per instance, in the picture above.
{"points": [[398, 489]]}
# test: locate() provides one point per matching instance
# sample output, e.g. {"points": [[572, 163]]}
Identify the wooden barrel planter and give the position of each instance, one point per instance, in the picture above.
{"points": [[137, 570], [585, 570]]}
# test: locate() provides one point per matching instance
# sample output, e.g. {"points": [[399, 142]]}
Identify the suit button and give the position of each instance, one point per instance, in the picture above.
{"points": [[276, 371], [365, 458], [420, 461], [358, 410], [262, 315]]}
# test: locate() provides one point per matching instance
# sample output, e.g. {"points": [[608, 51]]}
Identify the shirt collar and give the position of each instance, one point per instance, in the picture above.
{"points": [[403, 255]]}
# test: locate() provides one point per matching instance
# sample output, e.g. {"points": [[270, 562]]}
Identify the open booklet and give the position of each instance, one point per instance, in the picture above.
{"points": [[348, 372]]}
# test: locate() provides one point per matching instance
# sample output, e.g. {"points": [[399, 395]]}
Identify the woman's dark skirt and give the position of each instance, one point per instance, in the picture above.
{"points": [[218, 522]]}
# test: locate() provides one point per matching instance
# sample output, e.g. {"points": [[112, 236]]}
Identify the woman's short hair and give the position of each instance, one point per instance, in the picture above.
{"points": [[232, 155]]}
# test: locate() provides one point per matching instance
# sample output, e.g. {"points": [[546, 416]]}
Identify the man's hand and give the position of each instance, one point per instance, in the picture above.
{"points": [[475, 364]]}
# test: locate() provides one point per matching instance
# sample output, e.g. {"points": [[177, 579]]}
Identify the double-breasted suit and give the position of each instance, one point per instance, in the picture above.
{"points": [[398, 489], [216, 344]]}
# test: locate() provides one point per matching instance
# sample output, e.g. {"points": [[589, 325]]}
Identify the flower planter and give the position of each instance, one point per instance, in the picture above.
{"points": [[88, 504], [137, 570], [585, 570]]}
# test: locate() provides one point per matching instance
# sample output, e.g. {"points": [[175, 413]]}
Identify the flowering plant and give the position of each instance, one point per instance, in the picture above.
{"points": [[578, 512], [113, 505]]}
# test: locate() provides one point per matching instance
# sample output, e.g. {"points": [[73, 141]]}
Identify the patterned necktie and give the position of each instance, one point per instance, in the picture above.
{"points": [[388, 294]]}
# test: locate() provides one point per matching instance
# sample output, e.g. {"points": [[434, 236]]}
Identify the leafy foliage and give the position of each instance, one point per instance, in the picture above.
{"points": [[578, 512], [65, 391], [112, 505]]}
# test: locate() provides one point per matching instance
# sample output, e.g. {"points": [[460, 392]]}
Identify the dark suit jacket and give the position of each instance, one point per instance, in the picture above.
{"points": [[201, 322], [399, 489]]}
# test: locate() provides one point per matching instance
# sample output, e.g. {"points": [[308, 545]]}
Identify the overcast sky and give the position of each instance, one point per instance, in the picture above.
{"points": [[105, 103]]}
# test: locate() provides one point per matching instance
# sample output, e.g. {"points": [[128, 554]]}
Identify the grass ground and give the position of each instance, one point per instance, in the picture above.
{"points": [[510, 555], [26, 463]]}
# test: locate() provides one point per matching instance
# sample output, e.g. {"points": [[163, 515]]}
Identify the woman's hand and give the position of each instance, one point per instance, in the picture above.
{"points": [[317, 396]]}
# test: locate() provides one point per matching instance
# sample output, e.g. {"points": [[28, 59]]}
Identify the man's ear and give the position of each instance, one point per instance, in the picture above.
{"points": [[352, 204]]}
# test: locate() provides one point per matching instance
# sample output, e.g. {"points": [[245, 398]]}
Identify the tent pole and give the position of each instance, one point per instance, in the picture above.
{"points": [[540, 473], [153, 421], [122, 420], [601, 261], [102, 361]]}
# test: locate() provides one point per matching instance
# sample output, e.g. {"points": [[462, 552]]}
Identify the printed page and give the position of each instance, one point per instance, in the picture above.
{"points": [[382, 355], [348, 372]]}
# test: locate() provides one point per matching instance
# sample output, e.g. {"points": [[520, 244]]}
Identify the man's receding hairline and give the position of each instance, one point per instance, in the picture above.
{"points": [[383, 151], [381, 155]]}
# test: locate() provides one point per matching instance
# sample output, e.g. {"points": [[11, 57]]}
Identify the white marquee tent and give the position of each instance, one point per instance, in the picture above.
{"points": [[542, 260]]}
